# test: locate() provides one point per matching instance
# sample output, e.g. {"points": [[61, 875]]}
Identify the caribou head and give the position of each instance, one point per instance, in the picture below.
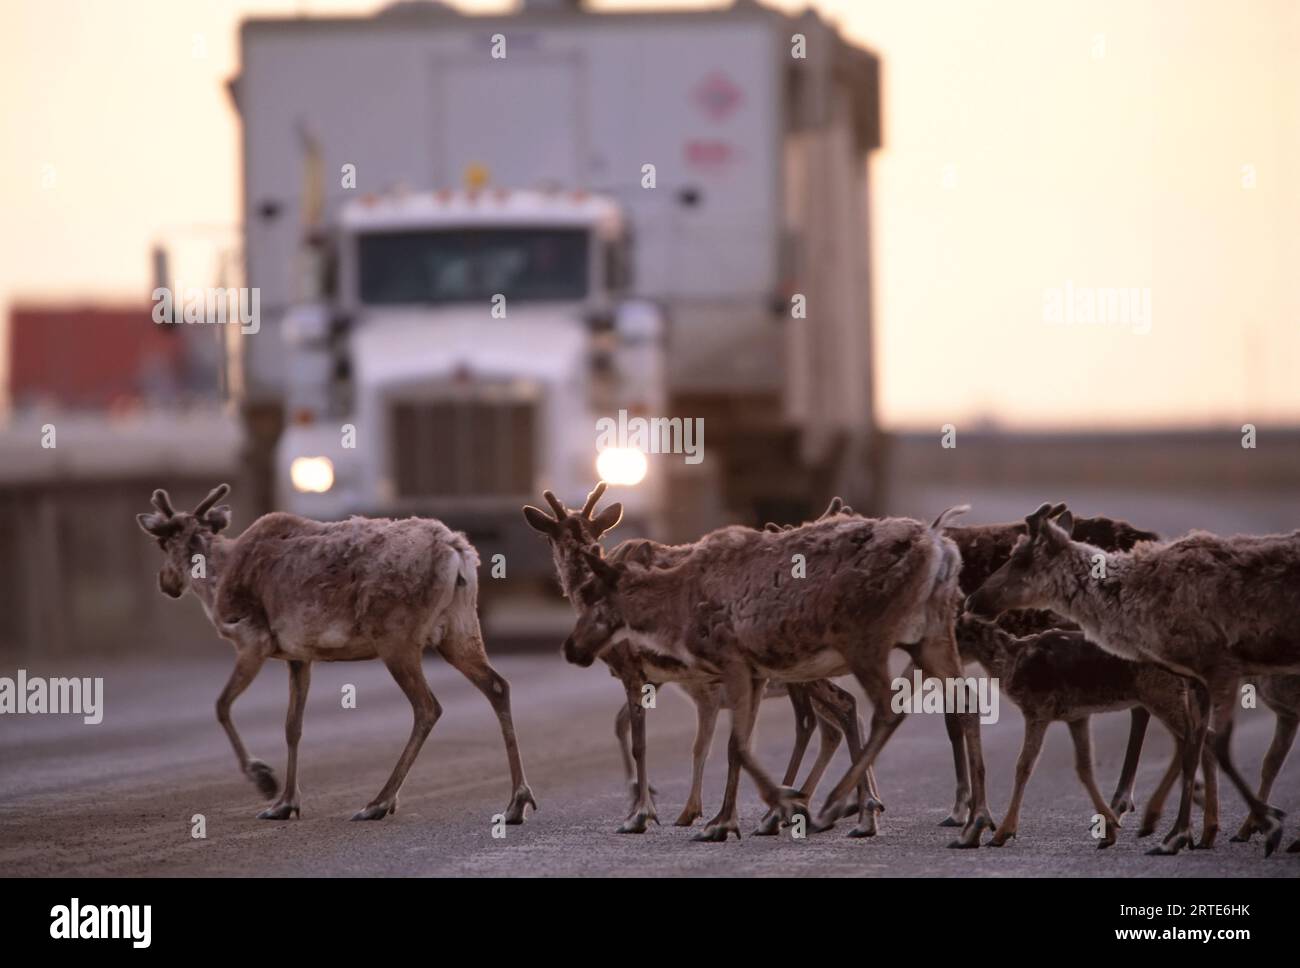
{"points": [[182, 534]]}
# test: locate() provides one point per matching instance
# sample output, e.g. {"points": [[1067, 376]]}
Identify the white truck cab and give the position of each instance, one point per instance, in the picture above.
{"points": [[462, 342]]}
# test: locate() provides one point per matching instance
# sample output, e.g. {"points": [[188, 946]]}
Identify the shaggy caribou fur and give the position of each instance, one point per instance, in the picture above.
{"points": [[731, 611], [820, 703], [299, 590], [1209, 608]]}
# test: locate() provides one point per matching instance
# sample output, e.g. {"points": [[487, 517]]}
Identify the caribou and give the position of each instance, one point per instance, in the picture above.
{"points": [[302, 591]]}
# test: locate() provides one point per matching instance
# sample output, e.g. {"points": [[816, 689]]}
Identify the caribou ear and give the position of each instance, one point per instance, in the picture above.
{"points": [[607, 519], [602, 569], [218, 519], [539, 520], [153, 523], [1064, 519]]}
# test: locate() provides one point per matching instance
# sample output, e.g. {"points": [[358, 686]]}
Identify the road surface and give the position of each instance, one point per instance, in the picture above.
{"points": [[118, 798]]}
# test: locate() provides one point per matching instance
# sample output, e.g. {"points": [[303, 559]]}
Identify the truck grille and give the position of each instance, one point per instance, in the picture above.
{"points": [[463, 448]]}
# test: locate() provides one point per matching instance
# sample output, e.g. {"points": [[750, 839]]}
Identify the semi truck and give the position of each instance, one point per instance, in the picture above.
{"points": [[477, 236]]}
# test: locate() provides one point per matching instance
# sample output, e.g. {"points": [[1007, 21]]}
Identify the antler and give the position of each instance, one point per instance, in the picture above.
{"points": [[163, 503], [835, 508], [563, 518], [1035, 519], [214, 495], [592, 498], [561, 512]]}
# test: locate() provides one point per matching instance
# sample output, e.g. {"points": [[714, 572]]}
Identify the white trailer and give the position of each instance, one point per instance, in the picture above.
{"points": [[758, 196]]}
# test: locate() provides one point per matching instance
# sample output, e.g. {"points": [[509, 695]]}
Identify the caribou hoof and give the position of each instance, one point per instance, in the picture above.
{"points": [[970, 836], [866, 827], [1171, 845], [770, 826], [280, 811], [522, 799], [638, 822], [831, 812], [790, 803], [717, 833], [376, 811]]}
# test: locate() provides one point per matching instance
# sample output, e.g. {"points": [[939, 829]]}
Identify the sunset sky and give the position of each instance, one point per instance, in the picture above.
{"points": [[1029, 146]]}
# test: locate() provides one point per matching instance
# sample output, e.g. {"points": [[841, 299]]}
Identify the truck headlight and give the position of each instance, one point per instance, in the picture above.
{"points": [[621, 465], [314, 475]]}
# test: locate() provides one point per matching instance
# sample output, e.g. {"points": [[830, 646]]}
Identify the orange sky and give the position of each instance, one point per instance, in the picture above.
{"points": [[1029, 145]]}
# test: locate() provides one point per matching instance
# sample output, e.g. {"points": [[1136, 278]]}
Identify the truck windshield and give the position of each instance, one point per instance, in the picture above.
{"points": [[471, 265]]}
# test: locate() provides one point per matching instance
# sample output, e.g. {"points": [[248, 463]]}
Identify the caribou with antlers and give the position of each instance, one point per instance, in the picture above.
{"points": [[733, 611], [302, 591], [1212, 609], [574, 533]]}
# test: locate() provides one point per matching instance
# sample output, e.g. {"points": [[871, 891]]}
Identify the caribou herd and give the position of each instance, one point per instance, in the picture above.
{"points": [[1067, 616]]}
